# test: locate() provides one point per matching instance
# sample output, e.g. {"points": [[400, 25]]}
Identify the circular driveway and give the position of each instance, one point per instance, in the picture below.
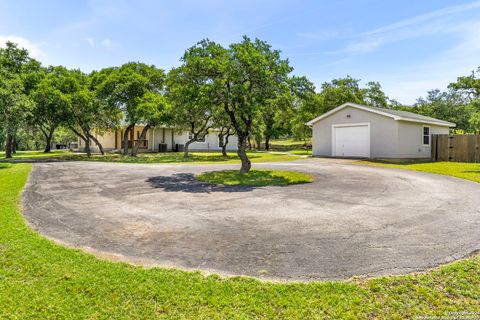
{"points": [[353, 220]]}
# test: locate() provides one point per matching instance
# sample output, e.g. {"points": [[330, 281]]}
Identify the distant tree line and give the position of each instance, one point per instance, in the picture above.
{"points": [[246, 89]]}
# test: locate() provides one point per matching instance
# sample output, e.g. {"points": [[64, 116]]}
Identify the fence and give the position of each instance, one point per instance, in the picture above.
{"points": [[456, 147]]}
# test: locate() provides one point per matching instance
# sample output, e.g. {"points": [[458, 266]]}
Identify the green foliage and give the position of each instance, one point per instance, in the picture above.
{"points": [[340, 91], [130, 89], [374, 96], [258, 178], [52, 97], [255, 76], [468, 85], [193, 91], [332, 95], [474, 121], [63, 135], [15, 105], [307, 106], [449, 106]]}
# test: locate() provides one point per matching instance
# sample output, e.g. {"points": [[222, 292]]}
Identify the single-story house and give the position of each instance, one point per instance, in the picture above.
{"points": [[160, 139], [354, 130]]}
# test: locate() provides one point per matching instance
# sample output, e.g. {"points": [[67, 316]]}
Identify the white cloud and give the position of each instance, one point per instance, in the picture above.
{"points": [[33, 48], [91, 42], [430, 23], [107, 43]]}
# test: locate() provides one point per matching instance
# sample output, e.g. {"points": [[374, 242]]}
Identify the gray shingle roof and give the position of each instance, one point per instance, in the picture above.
{"points": [[395, 114], [408, 115]]}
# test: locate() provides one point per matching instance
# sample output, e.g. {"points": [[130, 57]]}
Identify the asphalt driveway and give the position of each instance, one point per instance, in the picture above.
{"points": [[353, 220]]}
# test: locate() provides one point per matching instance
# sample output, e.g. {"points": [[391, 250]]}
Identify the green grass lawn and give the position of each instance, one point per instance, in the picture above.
{"points": [[168, 157], [42, 280], [463, 170], [36, 154], [258, 178], [301, 152], [289, 142]]}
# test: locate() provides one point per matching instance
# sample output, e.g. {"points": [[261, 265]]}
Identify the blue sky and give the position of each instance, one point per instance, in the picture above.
{"points": [[408, 46]]}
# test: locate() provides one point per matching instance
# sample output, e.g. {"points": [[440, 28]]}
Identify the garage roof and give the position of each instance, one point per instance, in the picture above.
{"points": [[394, 114]]}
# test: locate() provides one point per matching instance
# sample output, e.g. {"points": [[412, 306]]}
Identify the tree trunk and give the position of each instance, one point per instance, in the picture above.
{"points": [[267, 143], [14, 144], [8, 146], [100, 147], [249, 144], [87, 147], [48, 139], [185, 148], [224, 147], [258, 141], [242, 153], [140, 140], [125, 139], [221, 139], [85, 138]]}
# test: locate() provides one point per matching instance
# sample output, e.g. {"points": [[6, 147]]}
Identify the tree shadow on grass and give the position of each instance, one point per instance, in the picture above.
{"points": [[5, 165], [186, 182]]}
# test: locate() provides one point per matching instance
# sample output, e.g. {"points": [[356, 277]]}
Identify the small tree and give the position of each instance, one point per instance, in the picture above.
{"points": [[153, 109], [125, 88], [192, 90], [254, 75], [475, 121], [16, 68], [374, 96], [340, 91], [306, 106], [14, 106], [51, 98]]}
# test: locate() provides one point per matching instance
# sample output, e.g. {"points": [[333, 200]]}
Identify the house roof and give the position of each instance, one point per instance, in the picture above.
{"points": [[394, 114]]}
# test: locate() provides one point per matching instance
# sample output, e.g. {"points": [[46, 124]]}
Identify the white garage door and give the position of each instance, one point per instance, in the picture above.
{"points": [[351, 141]]}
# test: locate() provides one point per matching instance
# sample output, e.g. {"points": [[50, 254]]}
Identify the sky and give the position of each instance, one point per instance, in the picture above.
{"points": [[409, 46]]}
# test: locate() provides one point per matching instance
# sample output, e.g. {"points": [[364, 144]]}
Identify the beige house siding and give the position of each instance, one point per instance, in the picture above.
{"points": [[112, 140], [389, 138]]}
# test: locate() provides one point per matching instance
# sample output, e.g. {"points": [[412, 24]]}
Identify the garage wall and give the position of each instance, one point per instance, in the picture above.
{"points": [[383, 132], [411, 139]]}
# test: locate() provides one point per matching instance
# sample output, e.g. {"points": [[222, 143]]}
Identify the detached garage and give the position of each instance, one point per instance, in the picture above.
{"points": [[353, 130]]}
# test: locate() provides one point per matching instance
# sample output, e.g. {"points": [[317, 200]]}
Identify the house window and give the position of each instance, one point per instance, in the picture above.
{"points": [[426, 136], [199, 139]]}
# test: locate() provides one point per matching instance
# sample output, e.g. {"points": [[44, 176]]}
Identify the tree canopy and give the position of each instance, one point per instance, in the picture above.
{"points": [[247, 89]]}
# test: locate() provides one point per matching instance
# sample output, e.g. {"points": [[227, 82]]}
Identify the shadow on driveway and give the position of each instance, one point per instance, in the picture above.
{"points": [[186, 182]]}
